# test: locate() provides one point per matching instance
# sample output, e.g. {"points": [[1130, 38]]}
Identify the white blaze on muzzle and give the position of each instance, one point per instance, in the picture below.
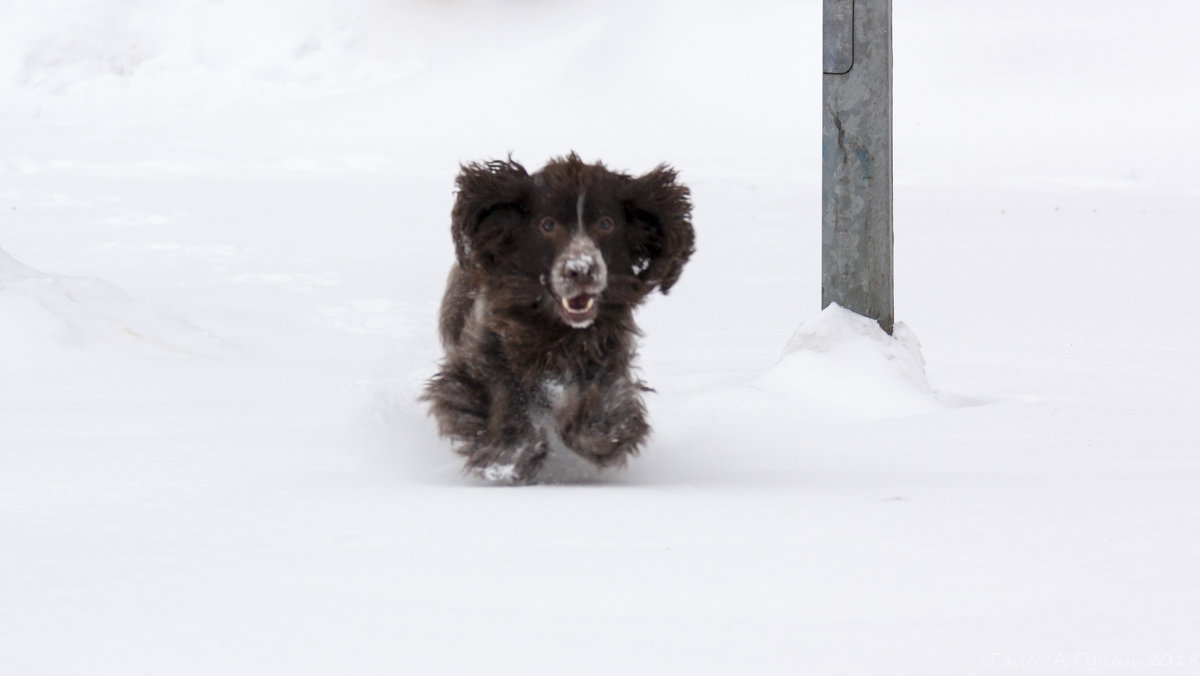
{"points": [[580, 268]]}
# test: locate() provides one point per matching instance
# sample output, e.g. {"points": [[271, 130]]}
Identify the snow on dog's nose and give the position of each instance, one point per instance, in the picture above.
{"points": [[579, 277], [581, 270]]}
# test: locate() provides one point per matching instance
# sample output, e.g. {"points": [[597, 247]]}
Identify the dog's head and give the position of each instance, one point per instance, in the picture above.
{"points": [[574, 238]]}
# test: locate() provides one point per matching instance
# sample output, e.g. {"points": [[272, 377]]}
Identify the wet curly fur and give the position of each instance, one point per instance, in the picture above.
{"points": [[537, 318]]}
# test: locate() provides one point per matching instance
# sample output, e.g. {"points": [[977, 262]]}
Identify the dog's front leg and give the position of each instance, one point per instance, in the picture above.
{"points": [[513, 449], [607, 422], [489, 422]]}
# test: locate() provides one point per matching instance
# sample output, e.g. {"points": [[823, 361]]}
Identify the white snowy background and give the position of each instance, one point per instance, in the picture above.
{"points": [[224, 230]]}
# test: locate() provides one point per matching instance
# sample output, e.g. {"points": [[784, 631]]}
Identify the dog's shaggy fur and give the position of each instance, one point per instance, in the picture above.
{"points": [[537, 319]]}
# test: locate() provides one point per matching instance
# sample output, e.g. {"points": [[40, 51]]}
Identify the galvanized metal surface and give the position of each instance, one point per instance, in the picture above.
{"points": [[856, 185], [838, 43]]}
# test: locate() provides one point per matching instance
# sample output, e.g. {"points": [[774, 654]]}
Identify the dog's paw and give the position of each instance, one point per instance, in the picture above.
{"points": [[499, 474], [608, 441], [510, 465]]}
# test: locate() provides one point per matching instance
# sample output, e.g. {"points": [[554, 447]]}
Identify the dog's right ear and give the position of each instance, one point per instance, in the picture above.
{"points": [[488, 194]]}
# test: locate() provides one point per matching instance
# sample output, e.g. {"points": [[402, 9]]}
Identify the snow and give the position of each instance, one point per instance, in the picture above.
{"points": [[224, 236], [52, 315], [840, 365]]}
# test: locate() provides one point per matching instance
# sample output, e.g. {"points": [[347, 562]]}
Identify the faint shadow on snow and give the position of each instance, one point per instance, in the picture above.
{"points": [[42, 313]]}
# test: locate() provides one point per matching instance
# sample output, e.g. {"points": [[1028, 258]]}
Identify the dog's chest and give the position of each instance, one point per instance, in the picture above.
{"points": [[555, 393], [562, 465]]}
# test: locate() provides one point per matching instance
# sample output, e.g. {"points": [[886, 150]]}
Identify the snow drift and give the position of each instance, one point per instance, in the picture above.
{"points": [[47, 314], [841, 366]]}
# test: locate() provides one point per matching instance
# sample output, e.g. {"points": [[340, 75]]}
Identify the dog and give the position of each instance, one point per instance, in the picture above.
{"points": [[537, 318]]}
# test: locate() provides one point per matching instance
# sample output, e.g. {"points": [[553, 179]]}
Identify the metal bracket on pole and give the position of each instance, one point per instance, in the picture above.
{"points": [[856, 177]]}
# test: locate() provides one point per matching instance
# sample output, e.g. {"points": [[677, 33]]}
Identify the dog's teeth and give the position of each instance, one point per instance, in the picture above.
{"points": [[566, 303]]}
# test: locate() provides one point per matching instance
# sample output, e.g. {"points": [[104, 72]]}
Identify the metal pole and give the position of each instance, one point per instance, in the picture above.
{"points": [[856, 177]]}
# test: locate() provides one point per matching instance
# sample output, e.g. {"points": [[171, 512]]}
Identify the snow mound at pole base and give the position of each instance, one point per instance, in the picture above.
{"points": [[58, 315], [841, 366]]}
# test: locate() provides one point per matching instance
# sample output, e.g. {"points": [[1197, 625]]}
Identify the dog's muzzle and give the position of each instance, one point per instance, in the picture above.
{"points": [[577, 280]]}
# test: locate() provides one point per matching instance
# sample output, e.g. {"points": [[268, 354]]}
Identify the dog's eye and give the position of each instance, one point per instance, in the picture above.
{"points": [[548, 225], [605, 224]]}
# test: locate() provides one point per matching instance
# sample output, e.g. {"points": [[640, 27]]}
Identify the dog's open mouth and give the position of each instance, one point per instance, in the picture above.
{"points": [[579, 310]]}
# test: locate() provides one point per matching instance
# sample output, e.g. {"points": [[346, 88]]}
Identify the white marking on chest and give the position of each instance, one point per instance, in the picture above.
{"points": [[555, 391], [479, 308]]}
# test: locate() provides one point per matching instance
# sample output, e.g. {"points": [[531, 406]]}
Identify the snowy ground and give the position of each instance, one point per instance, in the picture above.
{"points": [[223, 233]]}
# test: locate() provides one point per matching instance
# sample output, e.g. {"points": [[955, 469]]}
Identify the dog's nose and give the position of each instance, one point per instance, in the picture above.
{"points": [[580, 270]]}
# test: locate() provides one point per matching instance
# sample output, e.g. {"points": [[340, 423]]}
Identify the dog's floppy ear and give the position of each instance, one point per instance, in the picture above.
{"points": [[660, 211], [488, 194]]}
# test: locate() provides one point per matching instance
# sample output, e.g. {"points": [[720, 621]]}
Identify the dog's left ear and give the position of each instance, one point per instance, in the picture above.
{"points": [[660, 211]]}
